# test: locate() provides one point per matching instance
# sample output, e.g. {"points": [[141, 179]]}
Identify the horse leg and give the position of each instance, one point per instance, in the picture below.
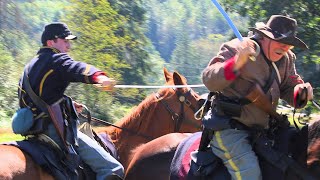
{"points": [[15, 164]]}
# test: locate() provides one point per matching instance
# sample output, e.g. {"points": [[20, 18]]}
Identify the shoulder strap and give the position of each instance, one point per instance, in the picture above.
{"points": [[265, 89], [271, 77], [273, 72], [35, 99]]}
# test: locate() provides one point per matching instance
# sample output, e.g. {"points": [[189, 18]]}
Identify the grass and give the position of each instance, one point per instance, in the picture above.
{"points": [[7, 135]]}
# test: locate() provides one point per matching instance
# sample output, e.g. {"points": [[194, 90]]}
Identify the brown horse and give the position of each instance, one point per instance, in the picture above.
{"points": [[153, 160], [169, 110]]}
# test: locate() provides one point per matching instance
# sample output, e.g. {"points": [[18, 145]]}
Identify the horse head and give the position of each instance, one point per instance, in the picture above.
{"points": [[178, 105]]}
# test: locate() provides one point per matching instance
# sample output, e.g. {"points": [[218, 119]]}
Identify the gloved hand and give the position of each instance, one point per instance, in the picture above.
{"points": [[78, 106], [305, 93], [105, 83], [247, 50]]}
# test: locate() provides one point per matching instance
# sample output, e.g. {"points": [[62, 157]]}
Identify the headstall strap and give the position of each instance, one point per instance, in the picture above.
{"points": [[177, 118]]}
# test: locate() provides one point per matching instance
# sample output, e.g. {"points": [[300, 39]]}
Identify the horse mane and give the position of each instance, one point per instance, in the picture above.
{"points": [[314, 143], [313, 153], [314, 131], [141, 112]]}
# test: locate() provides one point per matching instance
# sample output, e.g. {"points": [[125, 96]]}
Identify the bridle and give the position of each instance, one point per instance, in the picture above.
{"points": [[179, 118]]}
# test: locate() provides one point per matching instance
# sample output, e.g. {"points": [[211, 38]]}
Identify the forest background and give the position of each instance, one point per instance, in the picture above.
{"points": [[132, 40]]}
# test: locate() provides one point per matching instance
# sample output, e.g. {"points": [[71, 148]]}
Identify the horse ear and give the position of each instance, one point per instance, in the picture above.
{"points": [[167, 75], [179, 79]]}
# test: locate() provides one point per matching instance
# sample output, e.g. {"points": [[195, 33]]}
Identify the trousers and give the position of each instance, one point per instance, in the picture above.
{"points": [[233, 147], [100, 161]]}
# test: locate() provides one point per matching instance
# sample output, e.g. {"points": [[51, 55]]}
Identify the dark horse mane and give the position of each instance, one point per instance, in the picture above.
{"points": [[313, 157], [314, 131]]}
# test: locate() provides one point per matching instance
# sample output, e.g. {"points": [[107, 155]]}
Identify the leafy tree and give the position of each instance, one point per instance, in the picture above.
{"points": [[13, 49], [112, 42], [187, 34]]}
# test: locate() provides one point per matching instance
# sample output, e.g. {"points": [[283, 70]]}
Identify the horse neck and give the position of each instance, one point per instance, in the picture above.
{"points": [[133, 131]]}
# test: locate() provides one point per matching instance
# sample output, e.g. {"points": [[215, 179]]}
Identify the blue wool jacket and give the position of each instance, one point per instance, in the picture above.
{"points": [[50, 73]]}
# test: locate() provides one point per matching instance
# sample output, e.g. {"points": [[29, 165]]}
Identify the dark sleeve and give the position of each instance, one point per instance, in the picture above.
{"points": [[74, 71]]}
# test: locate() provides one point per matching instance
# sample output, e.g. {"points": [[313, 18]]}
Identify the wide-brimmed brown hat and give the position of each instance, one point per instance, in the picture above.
{"points": [[281, 29]]}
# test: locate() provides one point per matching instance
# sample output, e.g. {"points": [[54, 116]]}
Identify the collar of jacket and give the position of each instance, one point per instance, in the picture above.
{"points": [[48, 49]]}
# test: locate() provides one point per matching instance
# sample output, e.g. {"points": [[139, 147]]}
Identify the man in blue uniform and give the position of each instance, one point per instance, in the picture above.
{"points": [[49, 74]]}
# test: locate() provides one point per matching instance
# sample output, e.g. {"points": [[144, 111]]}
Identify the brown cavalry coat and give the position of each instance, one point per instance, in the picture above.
{"points": [[253, 72]]}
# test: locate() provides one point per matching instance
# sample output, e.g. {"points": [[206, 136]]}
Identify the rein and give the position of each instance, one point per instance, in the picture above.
{"points": [[304, 93], [110, 124]]}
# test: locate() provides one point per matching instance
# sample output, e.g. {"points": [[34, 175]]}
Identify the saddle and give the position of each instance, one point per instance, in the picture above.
{"points": [[189, 163], [48, 155]]}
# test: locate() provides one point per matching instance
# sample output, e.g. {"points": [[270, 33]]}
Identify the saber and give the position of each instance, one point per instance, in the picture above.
{"points": [[157, 87], [225, 15], [234, 28], [154, 87]]}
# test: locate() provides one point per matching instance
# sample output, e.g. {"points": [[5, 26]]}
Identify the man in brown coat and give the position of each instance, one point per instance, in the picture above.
{"points": [[233, 74]]}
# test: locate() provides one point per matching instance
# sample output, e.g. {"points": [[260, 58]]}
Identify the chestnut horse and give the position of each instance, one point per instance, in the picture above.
{"points": [[169, 110], [153, 160]]}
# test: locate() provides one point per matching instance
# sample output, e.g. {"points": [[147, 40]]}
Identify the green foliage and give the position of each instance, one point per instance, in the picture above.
{"points": [[187, 34], [7, 137], [99, 42], [37, 13], [110, 39], [8, 81], [5, 120], [168, 20]]}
